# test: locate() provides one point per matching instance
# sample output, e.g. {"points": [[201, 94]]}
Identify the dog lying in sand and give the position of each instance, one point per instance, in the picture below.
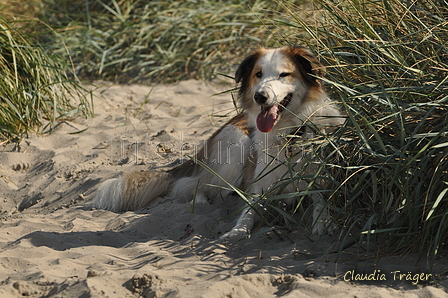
{"points": [[280, 94]]}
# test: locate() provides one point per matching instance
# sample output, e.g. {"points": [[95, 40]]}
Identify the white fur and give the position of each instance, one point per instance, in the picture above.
{"points": [[226, 156]]}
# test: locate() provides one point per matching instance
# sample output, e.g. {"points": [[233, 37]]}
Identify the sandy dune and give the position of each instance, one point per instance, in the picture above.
{"points": [[53, 244]]}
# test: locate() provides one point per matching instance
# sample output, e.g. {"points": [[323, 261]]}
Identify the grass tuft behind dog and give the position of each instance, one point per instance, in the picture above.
{"points": [[134, 41]]}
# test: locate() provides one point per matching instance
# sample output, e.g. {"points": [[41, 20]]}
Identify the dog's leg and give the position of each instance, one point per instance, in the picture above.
{"points": [[321, 218], [244, 224], [190, 187]]}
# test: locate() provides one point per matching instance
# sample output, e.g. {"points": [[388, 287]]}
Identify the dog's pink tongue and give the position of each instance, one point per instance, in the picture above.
{"points": [[266, 119]]}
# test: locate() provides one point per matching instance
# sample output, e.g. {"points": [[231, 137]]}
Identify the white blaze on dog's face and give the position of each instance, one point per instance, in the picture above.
{"points": [[275, 81]]}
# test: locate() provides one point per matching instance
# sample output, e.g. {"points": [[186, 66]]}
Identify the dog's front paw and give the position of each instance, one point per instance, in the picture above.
{"points": [[318, 228], [323, 226], [235, 234]]}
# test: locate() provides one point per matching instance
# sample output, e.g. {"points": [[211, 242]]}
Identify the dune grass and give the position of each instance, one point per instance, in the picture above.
{"points": [[387, 65], [35, 90], [135, 41]]}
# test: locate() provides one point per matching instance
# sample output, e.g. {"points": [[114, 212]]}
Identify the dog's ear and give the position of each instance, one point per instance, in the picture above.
{"points": [[245, 68], [307, 63]]}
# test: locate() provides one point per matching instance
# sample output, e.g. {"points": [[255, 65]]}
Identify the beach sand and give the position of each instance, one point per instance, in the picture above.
{"points": [[54, 244]]}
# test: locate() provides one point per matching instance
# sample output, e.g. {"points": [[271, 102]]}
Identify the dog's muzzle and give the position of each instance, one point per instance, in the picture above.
{"points": [[269, 114]]}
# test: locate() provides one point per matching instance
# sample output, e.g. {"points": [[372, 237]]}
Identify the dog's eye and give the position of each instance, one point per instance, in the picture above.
{"points": [[259, 74], [285, 74]]}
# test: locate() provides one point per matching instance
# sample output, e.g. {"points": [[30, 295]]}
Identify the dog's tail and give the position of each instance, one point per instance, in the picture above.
{"points": [[132, 191]]}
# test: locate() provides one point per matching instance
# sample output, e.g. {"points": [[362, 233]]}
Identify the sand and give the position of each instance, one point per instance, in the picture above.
{"points": [[54, 244]]}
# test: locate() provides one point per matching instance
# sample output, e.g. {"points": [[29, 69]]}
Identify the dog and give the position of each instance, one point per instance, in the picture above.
{"points": [[281, 94]]}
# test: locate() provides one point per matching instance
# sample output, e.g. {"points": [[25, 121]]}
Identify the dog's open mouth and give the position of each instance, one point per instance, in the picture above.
{"points": [[269, 114]]}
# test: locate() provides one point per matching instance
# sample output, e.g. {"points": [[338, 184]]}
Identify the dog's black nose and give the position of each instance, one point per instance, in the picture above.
{"points": [[260, 97]]}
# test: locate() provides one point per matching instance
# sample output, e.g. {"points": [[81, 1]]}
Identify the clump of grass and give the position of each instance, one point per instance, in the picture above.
{"points": [[387, 64], [134, 41], [34, 88]]}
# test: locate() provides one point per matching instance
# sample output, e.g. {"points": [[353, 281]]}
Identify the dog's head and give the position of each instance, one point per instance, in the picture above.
{"points": [[273, 80]]}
